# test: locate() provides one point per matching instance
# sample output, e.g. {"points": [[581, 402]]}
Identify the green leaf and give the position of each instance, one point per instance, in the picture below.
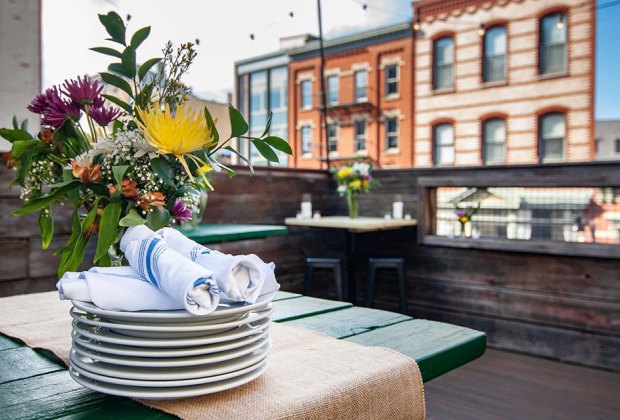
{"points": [[22, 146], [162, 167], [266, 151], [238, 126], [90, 217], [24, 126], [120, 103], [118, 68], [39, 203], [129, 61], [119, 172], [107, 228], [107, 51], [15, 122], [22, 169], [211, 125], [118, 125], [243, 158], [157, 218], [117, 81], [115, 26], [132, 219], [46, 225], [146, 66], [73, 251], [279, 144], [268, 125], [139, 36], [14, 135]]}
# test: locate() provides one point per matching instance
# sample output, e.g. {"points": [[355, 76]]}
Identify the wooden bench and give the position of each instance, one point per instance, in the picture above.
{"points": [[34, 384]]}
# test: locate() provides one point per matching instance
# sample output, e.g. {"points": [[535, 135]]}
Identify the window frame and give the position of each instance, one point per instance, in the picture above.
{"points": [[434, 128], [356, 87], [541, 62], [485, 66], [434, 64], [357, 138], [304, 152], [485, 143], [332, 140], [327, 79], [542, 141], [395, 134], [301, 94], [392, 80]]}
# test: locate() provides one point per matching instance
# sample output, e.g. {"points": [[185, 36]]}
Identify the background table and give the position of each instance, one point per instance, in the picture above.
{"points": [[209, 234], [35, 385], [352, 226]]}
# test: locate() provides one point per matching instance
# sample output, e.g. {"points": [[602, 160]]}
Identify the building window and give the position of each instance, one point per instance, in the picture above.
{"points": [[443, 63], [306, 94], [443, 142], [553, 43], [332, 90], [617, 146], [391, 79], [552, 129], [494, 141], [278, 105], [494, 64], [306, 140], [258, 112], [361, 85], [360, 135], [332, 137], [391, 133]]}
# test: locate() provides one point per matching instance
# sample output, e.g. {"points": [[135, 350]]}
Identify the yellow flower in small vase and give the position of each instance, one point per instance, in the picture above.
{"points": [[356, 184], [343, 173], [180, 134]]}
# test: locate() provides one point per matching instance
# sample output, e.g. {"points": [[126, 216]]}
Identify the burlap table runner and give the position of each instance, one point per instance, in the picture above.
{"points": [[310, 375]]}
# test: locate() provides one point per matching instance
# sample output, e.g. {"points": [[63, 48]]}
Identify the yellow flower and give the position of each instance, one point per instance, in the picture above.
{"points": [[178, 135], [364, 184], [343, 173], [204, 169], [356, 184]]}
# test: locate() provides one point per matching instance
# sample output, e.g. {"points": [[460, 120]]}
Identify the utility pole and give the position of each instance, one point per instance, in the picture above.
{"points": [[323, 125]]}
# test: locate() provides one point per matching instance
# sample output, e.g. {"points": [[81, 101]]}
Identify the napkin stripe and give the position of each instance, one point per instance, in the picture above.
{"points": [[148, 262]]}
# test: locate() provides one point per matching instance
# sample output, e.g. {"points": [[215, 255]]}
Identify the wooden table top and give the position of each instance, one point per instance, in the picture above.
{"points": [[213, 233], [34, 384], [361, 224]]}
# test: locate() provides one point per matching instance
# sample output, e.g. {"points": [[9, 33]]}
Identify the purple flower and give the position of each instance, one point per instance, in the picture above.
{"points": [[58, 111], [102, 115], [180, 211], [40, 103], [84, 92], [460, 213]]}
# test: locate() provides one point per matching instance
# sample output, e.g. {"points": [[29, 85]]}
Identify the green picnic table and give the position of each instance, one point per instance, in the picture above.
{"points": [[34, 384], [210, 234]]}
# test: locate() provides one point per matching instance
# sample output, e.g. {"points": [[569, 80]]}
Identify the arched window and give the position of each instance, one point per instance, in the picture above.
{"points": [[494, 62], [443, 63], [552, 136], [443, 144], [494, 141], [553, 43]]}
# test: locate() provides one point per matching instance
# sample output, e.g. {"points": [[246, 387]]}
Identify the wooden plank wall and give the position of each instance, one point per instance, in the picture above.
{"points": [[561, 307]]}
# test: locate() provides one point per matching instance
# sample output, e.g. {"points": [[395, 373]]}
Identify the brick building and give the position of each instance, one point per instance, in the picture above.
{"points": [[471, 82]]}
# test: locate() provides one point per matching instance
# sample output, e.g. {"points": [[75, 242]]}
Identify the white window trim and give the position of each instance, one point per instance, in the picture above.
{"points": [[337, 124], [327, 76], [303, 77], [307, 155], [364, 98], [392, 150], [308, 107], [356, 118]]}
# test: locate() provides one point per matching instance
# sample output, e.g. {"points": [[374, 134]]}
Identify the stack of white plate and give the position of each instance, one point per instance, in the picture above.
{"points": [[169, 354]]}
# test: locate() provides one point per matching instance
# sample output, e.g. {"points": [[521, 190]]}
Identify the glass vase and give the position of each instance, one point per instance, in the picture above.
{"points": [[116, 255], [353, 205]]}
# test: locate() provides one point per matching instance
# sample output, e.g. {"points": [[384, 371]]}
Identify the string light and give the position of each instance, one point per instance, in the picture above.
{"points": [[416, 24], [560, 23], [482, 30], [252, 37], [291, 14], [365, 8]]}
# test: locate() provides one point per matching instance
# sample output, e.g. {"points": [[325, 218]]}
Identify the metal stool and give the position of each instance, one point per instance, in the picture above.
{"points": [[327, 263], [397, 264]]}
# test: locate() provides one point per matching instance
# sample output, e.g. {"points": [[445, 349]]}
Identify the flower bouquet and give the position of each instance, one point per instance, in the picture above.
{"points": [[140, 157], [353, 180], [465, 215]]}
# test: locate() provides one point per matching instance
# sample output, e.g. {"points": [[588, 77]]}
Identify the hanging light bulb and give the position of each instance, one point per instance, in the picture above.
{"points": [[252, 37], [365, 8], [291, 14], [482, 30], [416, 25], [560, 23]]}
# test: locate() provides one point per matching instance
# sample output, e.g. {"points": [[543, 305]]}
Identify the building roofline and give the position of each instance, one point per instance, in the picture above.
{"points": [[261, 57]]}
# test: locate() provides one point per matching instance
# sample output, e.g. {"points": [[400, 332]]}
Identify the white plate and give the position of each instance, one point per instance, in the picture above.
{"points": [[172, 373], [169, 361], [121, 350], [104, 335], [158, 317], [164, 384], [170, 330], [167, 393]]}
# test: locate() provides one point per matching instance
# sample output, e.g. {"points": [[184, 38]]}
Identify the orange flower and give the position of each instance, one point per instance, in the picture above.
{"points": [[10, 160], [129, 188], [46, 136], [87, 173], [151, 199], [93, 228]]}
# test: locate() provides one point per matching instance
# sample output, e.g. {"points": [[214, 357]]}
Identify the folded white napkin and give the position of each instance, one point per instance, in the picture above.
{"points": [[239, 277], [115, 289], [180, 278]]}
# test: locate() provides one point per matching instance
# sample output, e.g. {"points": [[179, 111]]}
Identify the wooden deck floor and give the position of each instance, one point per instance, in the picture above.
{"points": [[503, 385]]}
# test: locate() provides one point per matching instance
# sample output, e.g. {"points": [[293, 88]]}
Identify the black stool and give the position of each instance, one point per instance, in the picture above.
{"points": [[327, 263], [397, 264]]}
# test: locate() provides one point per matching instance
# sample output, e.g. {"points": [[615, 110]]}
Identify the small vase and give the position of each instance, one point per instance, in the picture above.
{"points": [[463, 231], [116, 256], [353, 205]]}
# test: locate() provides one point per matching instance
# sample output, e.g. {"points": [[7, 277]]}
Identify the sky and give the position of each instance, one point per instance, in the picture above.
{"points": [[70, 27]]}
